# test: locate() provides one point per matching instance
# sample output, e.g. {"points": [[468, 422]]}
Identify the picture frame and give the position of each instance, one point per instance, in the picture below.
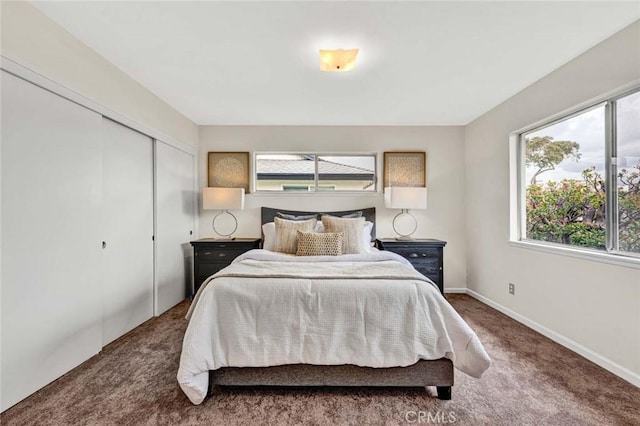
{"points": [[228, 170], [405, 169]]}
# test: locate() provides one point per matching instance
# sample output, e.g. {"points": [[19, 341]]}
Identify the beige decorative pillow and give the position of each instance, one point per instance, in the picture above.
{"points": [[352, 229], [286, 240], [314, 244]]}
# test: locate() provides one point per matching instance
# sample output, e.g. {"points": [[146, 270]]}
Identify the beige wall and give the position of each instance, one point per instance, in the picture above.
{"points": [[594, 305], [37, 42], [445, 176]]}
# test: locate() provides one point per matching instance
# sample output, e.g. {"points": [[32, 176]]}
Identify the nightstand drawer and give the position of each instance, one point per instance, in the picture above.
{"points": [[417, 254], [228, 244], [427, 266], [206, 269], [218, 255]]}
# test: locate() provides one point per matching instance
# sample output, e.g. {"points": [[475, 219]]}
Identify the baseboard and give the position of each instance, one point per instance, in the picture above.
{"points": [[603, 362], [460, 290]]}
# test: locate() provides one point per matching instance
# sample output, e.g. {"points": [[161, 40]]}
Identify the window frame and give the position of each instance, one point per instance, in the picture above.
{"points": [[519, 220], [317, 183]]}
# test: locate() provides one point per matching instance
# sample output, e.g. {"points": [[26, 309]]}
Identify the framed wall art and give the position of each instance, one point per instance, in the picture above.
{"points": [[405, 169], [229, 170]]}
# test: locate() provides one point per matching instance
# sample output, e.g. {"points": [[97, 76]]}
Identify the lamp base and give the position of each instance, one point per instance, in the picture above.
{"points": [[235, 227], [401, 236]]}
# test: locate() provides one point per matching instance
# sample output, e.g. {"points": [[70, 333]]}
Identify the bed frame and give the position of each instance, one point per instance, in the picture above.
{"points": [[438, 373]]}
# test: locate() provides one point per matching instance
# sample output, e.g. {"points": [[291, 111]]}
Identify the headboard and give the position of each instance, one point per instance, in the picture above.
{"points": [[369, 214]]}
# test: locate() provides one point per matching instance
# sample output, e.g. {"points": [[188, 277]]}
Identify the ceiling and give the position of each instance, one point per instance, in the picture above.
{"points": [[420, 63]]}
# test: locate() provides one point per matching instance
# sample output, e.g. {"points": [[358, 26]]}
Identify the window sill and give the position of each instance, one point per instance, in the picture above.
{"points": [[612, 259], [317, 194]]}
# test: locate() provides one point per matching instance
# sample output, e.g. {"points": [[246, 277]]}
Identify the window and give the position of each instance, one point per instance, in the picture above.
{"points": [[627, 145], [580, 178], [315, 173]]}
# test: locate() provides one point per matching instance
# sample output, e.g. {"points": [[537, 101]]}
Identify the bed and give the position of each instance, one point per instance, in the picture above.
{"points": [[247, 328]]}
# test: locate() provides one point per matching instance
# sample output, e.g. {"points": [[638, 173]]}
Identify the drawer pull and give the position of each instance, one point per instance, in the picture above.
{"points": [[424, 254], [222, 254], [207, 253], [413, 255]]}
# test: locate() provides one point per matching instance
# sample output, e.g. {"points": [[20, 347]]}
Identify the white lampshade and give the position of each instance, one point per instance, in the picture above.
{"points": [[223, 198], [405, 197]]}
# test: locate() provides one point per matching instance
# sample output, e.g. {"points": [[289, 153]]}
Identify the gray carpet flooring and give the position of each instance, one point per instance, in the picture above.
{"points": [[533, 381]]}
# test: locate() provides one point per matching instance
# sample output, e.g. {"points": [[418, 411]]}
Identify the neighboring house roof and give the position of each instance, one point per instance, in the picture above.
{"points": [[289, 169]]}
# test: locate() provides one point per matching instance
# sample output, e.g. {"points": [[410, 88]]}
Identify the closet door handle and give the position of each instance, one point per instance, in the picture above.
{"points": [[104, 245]]}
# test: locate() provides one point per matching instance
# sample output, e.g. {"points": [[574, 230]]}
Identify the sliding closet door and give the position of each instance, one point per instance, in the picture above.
{"points": [[128, 229], [51, 184], [174, 225]]}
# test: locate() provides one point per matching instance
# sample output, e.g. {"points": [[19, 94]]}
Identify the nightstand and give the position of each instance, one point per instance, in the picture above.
{"points": [[210, 255], [426, 255]]}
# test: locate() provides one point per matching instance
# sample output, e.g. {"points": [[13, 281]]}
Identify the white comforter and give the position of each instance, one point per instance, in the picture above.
{"points": [[369, 310]]}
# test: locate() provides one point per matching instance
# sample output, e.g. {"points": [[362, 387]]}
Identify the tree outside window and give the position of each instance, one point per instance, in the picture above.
{"points": [[566, 188]]}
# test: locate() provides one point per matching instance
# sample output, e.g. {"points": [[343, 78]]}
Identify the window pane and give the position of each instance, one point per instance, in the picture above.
{"points": [[285, 172], [565, 181], [628, 142], [346, 173], [297, 172]]}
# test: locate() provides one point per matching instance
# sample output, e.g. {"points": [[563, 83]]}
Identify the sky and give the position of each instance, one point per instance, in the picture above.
{"points": [[588, 129]]}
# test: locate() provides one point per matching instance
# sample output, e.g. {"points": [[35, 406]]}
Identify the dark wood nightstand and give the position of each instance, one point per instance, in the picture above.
{"points": [[210, 255], [426, 255]]}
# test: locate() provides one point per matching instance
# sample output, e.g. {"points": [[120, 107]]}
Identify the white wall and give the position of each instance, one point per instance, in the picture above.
{"points": [[595, 305], [32, 39], [445, 178]]}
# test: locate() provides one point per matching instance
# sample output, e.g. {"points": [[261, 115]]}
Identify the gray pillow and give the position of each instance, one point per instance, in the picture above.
{"points": [[353, 215], [294, 217]]}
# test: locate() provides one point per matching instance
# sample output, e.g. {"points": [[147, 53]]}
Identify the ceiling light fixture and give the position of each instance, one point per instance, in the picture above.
{"points": [[338, 60]]}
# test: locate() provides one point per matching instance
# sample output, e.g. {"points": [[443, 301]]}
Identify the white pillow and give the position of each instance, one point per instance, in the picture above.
{"points": [[366, 234], [269, 232]]}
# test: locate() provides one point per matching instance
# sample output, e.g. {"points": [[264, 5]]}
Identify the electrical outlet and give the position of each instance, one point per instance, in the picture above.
{"points": [[512, 288]]}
